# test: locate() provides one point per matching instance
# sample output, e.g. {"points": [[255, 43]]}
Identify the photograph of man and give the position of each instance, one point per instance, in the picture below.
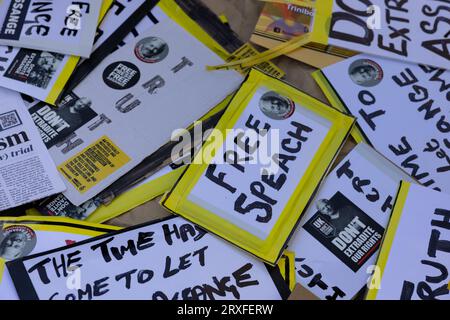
{"points": [[14, 245], [338, 217], [275, 106], [151, 50], [73, 112], [44, 69], [365, 73]]}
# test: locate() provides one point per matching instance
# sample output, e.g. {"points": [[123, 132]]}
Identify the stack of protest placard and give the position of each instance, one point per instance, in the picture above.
{"points": [[106, 106]]}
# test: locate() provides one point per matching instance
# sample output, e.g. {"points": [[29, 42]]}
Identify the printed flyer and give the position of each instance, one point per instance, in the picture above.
{"points": [[391, 100], [27, 172], [271, 149], [20, 237], [63, 26], [169, 259], [415, 257], [341, 232]]}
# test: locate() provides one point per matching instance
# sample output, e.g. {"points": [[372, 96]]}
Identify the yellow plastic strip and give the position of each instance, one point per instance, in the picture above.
{"points": [[390, 234], [136, 197], [267, 55], [333, 98], [105, 7]]}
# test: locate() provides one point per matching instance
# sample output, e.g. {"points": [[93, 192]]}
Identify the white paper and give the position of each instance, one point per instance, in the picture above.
{"points": [[411, 30], [62, 26], [215, 198], [141, 117], [166, 260], [365, 184], [27, 172], [394, 117], [419, 258]]}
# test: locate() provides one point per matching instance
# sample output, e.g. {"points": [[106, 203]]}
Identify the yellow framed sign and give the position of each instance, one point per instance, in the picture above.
{"points": [[415, 256], [23, 236], [252, 191]]}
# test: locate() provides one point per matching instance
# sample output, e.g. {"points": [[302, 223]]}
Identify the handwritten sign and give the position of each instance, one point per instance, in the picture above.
{"points": [[415, 257], [412, 30], [340, 234], [251, 185], [402, 111], [167, 260]]}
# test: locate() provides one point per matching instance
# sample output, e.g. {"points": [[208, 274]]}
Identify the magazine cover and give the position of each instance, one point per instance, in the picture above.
{"points": [[340, 234], [168, 259], [20, 237], [409, 30], [391, 99], [254, 175], [415, 256], [63, 26], [282, 21], [28, 173]]}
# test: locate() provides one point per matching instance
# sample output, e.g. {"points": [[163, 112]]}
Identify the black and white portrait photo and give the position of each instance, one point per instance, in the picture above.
{"points": [[366, 73], [151, 50], [16, 242], [275, 106]]}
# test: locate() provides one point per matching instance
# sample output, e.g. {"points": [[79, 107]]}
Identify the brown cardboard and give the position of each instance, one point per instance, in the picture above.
{"points": [[300, 293]]}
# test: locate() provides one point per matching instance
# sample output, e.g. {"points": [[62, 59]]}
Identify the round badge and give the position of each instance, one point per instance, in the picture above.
{"points": [[17, 241], [121, 75], [366, 73], [276, 106], [151, 50]]}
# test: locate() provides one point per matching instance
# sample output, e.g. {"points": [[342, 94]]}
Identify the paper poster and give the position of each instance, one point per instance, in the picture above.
{"points": [[132, 93], [260, 160], [402, 111], [20, 237], [341, 232], [166, 260], [415, 257], [27, 172], [63, 26], [409, 30]]}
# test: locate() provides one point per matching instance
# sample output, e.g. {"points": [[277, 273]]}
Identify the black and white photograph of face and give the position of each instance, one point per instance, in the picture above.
{"points": [[151, 50], [325, 207], [276, 106], [366, 73], [17, 242]]}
